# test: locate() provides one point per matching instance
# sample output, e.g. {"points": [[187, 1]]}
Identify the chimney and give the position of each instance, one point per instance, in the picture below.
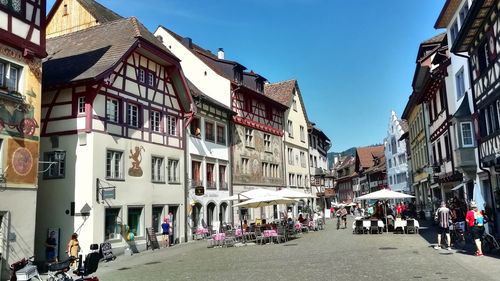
{"points": [[220, 54], [186, 41]]}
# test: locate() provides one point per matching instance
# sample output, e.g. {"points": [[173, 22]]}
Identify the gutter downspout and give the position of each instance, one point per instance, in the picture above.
{"points": [[492, 196], [186, 186]]}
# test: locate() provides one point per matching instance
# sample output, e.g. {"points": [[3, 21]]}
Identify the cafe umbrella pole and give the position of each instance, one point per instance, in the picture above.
{"points": [[241, 222]]}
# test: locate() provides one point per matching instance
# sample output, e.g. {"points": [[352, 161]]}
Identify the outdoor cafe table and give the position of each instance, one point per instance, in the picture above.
{"points": [[402, 224], [367, 224]]}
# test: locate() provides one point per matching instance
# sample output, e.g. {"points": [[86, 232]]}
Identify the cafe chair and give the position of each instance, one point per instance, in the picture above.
{"points": [[410, 227], [374, 226], [358, 227], [259, 237]]}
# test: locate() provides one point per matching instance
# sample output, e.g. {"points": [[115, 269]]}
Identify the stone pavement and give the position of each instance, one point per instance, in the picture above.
{"points": [[324, 255]]}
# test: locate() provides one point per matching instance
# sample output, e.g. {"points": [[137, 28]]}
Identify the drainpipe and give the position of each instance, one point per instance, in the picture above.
{"points": [[480, 165], [186, 185]]}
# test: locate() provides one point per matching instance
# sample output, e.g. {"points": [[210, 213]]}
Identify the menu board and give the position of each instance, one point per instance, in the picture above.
{"points": [[152, 241]]}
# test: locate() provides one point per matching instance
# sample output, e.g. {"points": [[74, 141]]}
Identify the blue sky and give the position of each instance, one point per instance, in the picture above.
{"points": [[354, 60]]}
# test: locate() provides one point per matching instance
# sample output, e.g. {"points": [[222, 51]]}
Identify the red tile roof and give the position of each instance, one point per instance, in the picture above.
{"points": [[281, 92], [366, 155]]}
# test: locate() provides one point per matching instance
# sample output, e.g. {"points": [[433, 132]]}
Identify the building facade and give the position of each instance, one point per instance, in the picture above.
{"points": [[478, 40], [22, 47], [295, 140], [395, 155], [344, 173], [115, 104], [321, 180]]}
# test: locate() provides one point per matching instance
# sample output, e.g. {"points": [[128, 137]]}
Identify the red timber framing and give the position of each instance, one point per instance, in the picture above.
{"points": [[257, 111], [128, 84], [18, 21]]}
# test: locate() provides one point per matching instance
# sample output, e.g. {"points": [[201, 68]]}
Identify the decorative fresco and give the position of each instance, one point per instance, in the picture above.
{"points": [[22, 161], [136, 156], [20, 108]]}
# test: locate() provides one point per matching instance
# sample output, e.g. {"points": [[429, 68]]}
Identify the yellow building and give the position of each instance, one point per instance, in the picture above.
{"points": [[22, 46]]}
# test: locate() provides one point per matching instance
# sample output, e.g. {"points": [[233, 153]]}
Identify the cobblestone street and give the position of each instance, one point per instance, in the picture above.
{"points": [[324, 255]]}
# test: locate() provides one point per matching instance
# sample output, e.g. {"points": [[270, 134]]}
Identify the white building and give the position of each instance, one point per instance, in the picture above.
{"points": [[395, 155], [115, 103]]}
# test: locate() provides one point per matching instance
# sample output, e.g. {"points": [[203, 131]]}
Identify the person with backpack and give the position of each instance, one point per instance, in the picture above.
{"points": [[475, 220], [443, 218]]}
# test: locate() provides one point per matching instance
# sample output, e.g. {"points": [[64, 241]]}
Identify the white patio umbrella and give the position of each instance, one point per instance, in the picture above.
{"points": [[385, 194], [264, 201], [288, 193]]}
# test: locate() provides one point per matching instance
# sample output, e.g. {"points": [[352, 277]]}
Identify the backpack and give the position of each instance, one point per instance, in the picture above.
{"points": [[478, 219]]}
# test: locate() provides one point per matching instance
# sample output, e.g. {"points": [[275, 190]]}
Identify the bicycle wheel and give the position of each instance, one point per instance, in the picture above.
{"points": [[489, 244]]}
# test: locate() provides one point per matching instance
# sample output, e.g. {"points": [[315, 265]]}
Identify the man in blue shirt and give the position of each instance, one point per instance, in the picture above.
{"points": [[165, 226]]}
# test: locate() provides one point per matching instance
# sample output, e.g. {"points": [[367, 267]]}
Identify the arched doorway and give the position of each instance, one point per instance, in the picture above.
{"points": [[211, 214]]}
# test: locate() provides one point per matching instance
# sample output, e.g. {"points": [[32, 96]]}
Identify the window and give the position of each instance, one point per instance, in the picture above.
{"points": [[290, 129], [209, 131], [151, 79], [459, 79], [265, 169], [390, 163], [195, 128], [221, 134], [56, 164], [196, 173], [402, 158], [454, 31], [290, 156], [486, 118], [112, 110], [157, 169], [267, 142], [440, 152], [492, 118], [14, 5], [294, 105], [13, 80], [172, 125], [394, 146], [302, 134], [134, 220], [112, 228], [133, 115], [81, 104], [173, 171], [467, 140], [245, 169], [222, 177], [142, 75], [155, 121], [447, 147], [249, 137], [498, 112], [463, 12], [156, 218], [210, 176], [302, 159], [114, 164]]}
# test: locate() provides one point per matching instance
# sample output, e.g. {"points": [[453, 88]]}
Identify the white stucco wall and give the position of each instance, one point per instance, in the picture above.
{"points": [[397, 167]]}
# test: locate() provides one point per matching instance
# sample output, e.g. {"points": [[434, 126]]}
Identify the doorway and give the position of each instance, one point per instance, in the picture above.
{"points": [[173, 215]]}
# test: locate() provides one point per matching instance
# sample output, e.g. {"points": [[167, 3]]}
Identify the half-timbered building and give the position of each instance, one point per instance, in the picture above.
{"points": [[478, 39], [115, 105], [256, 130], [320, 177], [22, 47], [208, 154]]}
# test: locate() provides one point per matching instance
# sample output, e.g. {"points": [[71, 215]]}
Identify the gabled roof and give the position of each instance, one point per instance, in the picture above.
{"points": [[98, 11], [447, 13], [283, 92], [463, 110], [92, 52], [199, 95], [366, 155]]}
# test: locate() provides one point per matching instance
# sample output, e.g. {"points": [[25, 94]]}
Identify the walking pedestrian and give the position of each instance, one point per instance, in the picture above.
{"points": [[50, 248], [475, 221], [73, 249], [443, 217]]}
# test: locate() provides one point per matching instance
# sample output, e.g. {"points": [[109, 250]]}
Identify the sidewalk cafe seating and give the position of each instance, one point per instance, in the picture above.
{"points": [[282, 235], [374, 226], [399, 225], [358, 228], [411, 227], [259, 237]]}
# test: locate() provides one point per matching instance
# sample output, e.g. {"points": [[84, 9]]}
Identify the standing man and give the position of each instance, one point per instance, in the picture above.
{"points": [[443, 216], [165, 227]]}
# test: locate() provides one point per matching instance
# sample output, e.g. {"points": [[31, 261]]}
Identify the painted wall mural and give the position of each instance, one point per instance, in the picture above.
{"points": [[21, 167], [136, 156]]}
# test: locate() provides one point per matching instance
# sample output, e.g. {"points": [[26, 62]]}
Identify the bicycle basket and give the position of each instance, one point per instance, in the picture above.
{"points": [[59, 266]]}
